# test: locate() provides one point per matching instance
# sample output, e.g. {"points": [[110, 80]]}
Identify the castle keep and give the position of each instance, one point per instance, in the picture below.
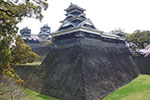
{"points": [[76, 25]]}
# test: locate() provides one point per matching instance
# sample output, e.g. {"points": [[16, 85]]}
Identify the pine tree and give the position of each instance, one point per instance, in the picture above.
{"points": [[11, 13]]}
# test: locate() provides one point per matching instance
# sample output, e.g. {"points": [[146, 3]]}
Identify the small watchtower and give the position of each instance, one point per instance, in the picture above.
{"points": [[25, 32], [44, 32]]}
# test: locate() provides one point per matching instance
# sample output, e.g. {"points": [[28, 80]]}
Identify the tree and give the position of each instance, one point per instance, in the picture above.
{"points": [[22, 53], [11, 13], [10, 91], [139, 38]]}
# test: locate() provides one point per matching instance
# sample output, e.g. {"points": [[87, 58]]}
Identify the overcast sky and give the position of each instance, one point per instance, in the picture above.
{"points": [[106, 15]]}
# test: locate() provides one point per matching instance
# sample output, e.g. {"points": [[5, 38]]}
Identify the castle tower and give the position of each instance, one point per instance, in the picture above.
{"points": [[25, 32], [44, 33]]}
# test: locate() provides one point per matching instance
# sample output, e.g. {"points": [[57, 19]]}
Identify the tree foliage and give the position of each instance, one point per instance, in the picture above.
{"points": [[22, 53], [139, 38], [11, 13]]}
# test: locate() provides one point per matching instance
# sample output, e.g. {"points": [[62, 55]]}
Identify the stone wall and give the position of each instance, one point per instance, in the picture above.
{"points": [[86, 69], [82, 69], [41, 51], [143, 63], [28, 73]]}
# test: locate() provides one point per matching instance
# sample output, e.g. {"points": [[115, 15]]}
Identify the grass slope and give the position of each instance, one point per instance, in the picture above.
{"points": [[10, 91], [138, 89], [32, 95]]}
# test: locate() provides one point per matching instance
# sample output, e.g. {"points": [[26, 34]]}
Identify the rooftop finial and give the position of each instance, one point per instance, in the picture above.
{"points": [[71, 4]]}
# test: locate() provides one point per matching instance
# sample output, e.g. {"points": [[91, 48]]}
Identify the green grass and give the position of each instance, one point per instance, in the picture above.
{"points": [[34, 63], [30, 64], [138, 89], [32, 95]]}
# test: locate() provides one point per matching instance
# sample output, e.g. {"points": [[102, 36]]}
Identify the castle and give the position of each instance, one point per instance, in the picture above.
{"points": [[36, 40], [83, 62], [75, 25]]}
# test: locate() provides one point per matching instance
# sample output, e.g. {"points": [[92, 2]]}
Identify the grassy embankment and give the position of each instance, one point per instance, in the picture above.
{"points": [[138, 89], [32, 95]]}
